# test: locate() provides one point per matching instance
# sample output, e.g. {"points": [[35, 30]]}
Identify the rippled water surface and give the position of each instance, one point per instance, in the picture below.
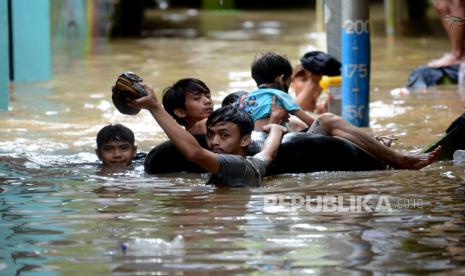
{"points": [[61, 214]]}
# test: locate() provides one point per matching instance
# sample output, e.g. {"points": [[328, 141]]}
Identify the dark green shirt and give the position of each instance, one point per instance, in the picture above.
{"points": [[238, 171]]}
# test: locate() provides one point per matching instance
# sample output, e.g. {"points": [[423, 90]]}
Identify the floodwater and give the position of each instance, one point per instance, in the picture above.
{"points": [[62, 215]]}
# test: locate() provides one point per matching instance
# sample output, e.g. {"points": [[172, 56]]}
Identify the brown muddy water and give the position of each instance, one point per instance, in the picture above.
{"points": [[62, 215]]}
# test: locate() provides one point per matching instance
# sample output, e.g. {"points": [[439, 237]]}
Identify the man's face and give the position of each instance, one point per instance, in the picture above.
{"points": [[117, 154], [198, 106], [225, 137]]}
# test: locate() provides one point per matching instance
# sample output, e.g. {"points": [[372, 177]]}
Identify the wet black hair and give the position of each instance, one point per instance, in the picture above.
{"points": [[233, 97], [270, 65], [116, 132], [232, 114], [321, 63], [174, 96]]}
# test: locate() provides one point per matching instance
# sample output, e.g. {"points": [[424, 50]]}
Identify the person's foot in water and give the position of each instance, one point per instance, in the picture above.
{"points": [[446, 60], [409, 161]]}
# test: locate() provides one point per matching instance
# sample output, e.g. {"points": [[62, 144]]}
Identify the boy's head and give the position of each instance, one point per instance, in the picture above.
{"points": [[188, 101], [321, 63], [229, 130], [115, 146], [233, 97], [271, 68]]}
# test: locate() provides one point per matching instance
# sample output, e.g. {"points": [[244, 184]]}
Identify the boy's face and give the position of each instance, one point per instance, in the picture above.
{"points": [[198, 106], [117, 153], [225, 137]]}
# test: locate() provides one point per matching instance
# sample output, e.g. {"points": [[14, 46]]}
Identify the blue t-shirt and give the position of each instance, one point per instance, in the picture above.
{"points": [[258, 103]]}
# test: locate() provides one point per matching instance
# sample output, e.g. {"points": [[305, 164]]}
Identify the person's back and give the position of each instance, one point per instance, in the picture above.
{"points": [[259, 104]]}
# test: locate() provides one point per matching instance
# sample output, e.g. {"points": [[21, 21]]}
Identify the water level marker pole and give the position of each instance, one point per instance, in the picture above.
{"points": [[355, 69]]}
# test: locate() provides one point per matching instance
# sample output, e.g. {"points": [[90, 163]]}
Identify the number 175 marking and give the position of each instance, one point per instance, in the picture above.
{"points": [[350, 69]]}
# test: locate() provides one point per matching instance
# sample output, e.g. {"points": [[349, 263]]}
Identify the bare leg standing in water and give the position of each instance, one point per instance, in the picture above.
{"points": [[455, 32], [338, 127]]}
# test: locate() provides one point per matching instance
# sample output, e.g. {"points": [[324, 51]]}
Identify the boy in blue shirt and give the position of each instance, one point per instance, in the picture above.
{"points": [[272, 73]]}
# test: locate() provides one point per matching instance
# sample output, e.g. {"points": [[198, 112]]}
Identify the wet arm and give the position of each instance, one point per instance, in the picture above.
{"points": [[183, 140], [302, 115], [272, 142]]}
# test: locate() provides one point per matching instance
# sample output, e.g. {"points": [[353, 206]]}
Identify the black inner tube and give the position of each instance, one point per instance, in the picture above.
{"points": [[298, 153]]}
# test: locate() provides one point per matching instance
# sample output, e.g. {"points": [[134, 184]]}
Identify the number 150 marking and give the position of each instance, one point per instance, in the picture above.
{"points": [[355, 111]]}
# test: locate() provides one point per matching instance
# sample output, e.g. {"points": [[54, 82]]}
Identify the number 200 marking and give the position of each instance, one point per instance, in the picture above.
{"points": [[357, 26]]}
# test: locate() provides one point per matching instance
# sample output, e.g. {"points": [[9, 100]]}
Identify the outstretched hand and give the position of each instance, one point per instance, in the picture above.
{"points": [[148, 102]]}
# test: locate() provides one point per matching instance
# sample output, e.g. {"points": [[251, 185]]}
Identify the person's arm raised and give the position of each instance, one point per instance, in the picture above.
{"points": [[183, 140], [272, 142], [280, 116], [310, 92], [302, 115]]}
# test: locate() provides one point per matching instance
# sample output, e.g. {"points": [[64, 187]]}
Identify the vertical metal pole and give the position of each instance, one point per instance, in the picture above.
{"points": [[332, 14], [355, 62], [320, 21], [4, 55], [391, 18]]}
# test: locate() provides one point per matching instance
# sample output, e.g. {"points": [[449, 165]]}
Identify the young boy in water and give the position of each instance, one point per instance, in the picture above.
{"points": [[228, 136], [115, 146], [189, 102]]}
